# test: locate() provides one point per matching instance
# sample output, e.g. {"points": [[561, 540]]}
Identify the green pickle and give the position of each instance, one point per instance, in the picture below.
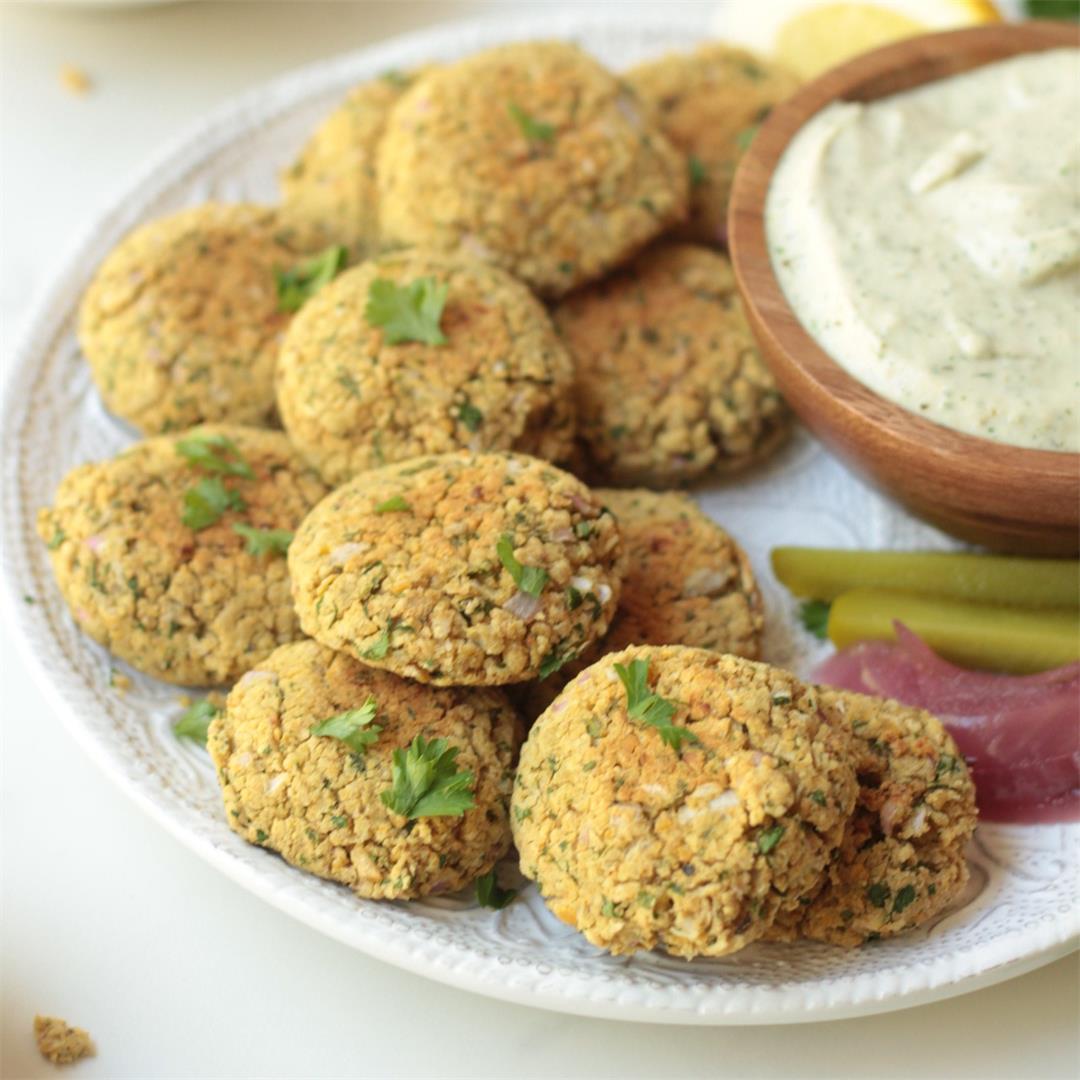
{"points": [[826, 573], [976, 635]]}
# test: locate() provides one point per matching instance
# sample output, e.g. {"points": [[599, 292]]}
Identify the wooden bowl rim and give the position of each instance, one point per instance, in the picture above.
{"points": [[911, 433]]}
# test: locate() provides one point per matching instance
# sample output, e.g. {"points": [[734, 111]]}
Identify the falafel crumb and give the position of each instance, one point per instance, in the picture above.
{"points": [[60, 1043], [75, 81]]}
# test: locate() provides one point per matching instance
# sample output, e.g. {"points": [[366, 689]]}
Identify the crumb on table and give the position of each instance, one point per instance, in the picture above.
{"points": [[60, 1043], [74, 80]]}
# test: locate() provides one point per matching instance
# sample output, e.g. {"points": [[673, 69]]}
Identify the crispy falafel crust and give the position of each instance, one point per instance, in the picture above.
{"points": [[557, 202], [180, 324], [188, 606], [708, 104], [422, 591], [329, 191], [696, 852], [901, 861], [671, 386], [503, 380], [687, 583], [317, 804]]}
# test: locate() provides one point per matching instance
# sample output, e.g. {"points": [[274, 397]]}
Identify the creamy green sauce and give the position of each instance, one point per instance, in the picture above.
{"points": [[930, 242]]}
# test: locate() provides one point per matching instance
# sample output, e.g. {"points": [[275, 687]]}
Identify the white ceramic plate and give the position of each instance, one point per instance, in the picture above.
{"points": [[1018, 913]]}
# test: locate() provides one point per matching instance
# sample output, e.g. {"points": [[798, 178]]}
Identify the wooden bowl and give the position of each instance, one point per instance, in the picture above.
{"points": [[1006, 497]]}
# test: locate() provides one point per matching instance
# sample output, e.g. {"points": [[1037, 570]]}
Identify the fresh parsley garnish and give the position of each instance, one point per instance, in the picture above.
{"points": [[529, 579], [814, 615], [642, 704], [58, 537], [302, 281], [392, 505], [214, 454], [534, 130], [1052, 9], [470, 416], [408, 312], [769, 838], [207, 501], [426, 782], [490, 894], [698, 173], [353, 727], [195, 721], [264, 541]]}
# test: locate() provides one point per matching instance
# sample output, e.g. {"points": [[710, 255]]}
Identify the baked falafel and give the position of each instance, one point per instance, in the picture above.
{"points": [[532, 156], [154, 551], [683, 807], [671, 387], [323, 798], [901, 860], [709, 103], [181, 322], [353, 398], [458, 569]]}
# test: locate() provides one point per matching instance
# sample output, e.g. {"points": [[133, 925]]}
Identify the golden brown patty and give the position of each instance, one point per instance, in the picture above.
{"points": [[687, 583], [696, 850], [531, 156], [670, 383], [901, 861], [709, 103], [181, 325], [318, 802], [502, 379], [184, 604], [329, 191], [457, 569]]}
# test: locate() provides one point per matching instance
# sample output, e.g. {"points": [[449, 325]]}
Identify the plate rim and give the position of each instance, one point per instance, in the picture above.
{"points": [[449, 964]]}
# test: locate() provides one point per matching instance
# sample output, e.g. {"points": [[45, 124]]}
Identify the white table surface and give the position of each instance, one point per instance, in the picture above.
{"points": [[106, 920]]}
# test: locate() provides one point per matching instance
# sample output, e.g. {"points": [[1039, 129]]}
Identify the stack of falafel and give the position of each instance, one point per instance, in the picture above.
{"points": [[412, 571]]}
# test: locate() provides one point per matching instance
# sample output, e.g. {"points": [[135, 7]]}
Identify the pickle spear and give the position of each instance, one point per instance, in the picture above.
{"points": [[825, 573], [974, 635]]}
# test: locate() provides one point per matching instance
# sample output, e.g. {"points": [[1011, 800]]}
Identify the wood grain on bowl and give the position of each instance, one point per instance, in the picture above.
{"points": [[1006, 497]]}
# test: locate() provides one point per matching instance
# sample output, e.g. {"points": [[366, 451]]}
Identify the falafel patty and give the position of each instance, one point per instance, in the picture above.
{"points": [[695, 850], [329, 190], [687, 583], [531, 156], [670, 383], [901, 861], [709, 103], [318, 801], [185, 602], [459, 569], [181, 325], [501, 378]]}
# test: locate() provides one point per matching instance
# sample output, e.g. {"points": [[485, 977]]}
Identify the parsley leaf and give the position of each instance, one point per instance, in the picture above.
{"points": [[490, 895], [555, 660], [642, 704], [534, 130], [698, 173], [353, 727], [1052, 9], [264, 541], [903, 898], [426, 783], [208, 452], [194, 722], [814, 615], [407, 312], [302, 281], [529, 579], [392, 505], [878, 894], [381, 647], [769, 838], [746, 137], [470, 416], [207, 501]]}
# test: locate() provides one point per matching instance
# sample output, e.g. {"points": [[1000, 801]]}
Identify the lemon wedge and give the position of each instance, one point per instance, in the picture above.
{"points": [[811, 36]]}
